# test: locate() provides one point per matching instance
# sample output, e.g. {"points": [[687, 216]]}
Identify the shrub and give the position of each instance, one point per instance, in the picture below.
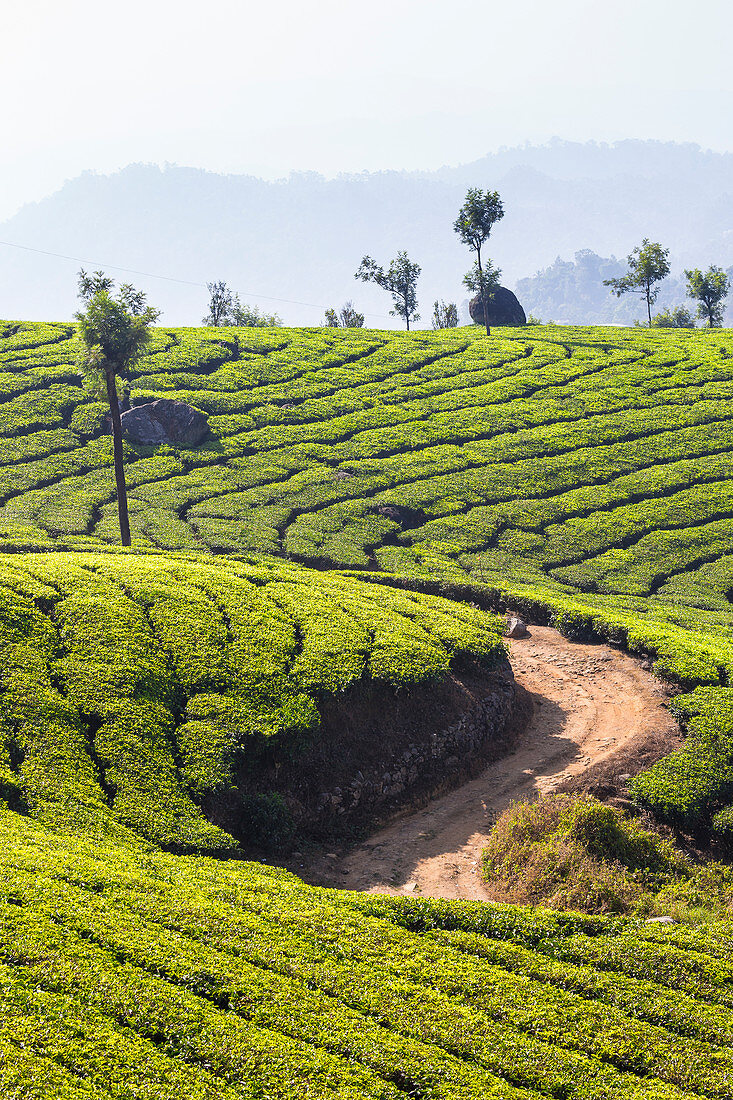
{"points": [[573, 852]]}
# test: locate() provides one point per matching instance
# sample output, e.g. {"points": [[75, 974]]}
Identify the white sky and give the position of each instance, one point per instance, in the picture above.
{"points": [[333, 86]]}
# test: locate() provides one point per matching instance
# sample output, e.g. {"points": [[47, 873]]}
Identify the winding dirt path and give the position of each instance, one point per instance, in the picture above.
{"points": [[595, 712]]}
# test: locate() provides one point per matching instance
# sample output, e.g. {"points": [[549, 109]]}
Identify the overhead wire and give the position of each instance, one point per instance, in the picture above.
{"points": [[167, 278]]}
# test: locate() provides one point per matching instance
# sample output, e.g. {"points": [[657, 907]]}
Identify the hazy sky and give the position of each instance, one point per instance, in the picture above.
{"points": [[336, 86]]}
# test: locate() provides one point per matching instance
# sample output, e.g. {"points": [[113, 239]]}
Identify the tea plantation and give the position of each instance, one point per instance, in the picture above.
{"points": [[133, 686], [583, 474], [363, 504], [133, 973]]}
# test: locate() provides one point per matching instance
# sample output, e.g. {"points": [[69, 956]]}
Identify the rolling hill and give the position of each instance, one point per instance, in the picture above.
{"points": [[293, 245], [364, 504]]}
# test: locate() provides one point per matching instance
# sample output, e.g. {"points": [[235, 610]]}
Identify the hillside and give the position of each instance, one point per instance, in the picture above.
{"points": [[301, 238], [581, 474], [570, 291], [129, 973], [364, 504]]}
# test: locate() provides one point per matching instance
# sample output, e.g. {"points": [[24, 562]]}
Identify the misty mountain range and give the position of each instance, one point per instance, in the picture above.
{"points": [[301, 239]]}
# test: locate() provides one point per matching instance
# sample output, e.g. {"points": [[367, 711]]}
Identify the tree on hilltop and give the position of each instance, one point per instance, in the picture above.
{"points": [[648, 266], [709, 289], [479, 214], [225, 309], [400, 280], [347, 317], [114, 332], [445, 315]]}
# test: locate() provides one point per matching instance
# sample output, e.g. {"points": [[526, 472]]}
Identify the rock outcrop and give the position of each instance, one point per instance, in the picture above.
{"points": [[516, 627], [165, 421], [504, 309]]}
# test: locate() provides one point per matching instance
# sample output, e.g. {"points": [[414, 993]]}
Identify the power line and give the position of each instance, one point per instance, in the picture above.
{"points": [[165, 278], [97, 264]]}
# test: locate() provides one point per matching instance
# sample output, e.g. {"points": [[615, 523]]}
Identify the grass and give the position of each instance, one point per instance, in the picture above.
{"points": [[573, 852]]}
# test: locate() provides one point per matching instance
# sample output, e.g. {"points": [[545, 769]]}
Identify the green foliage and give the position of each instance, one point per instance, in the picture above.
{"points": [[679, 317], [476, 218], [580, 473], [573, 852], [400, 280], [347, 317], [114, 331], [483, 280], [127, 972], [648, 266], [709, 289], [445, 315], [136, 687], [225, 309]]}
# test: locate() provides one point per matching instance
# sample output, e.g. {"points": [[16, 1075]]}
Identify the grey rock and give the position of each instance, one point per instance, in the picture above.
{"points": [[516, 627], [504, 308], [165, 421], [661, 920]]}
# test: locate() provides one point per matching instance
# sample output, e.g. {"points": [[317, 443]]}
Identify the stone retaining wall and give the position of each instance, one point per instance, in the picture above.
{"points": [[416, 771]]}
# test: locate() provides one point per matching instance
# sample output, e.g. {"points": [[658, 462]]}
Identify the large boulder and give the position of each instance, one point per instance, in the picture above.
{"points": [[165, 421], [504, 309]]}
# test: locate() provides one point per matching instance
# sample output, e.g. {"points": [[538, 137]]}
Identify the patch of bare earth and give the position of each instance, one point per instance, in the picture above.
{"points": [[593, 717]]}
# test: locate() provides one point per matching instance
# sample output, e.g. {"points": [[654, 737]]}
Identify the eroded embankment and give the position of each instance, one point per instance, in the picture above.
{"points": [[596, 715], [379, 750]]}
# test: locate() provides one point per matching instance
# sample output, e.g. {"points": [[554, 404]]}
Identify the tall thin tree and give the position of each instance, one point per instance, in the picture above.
{"points": [[648, 265], [479, 214], [114, 332]]}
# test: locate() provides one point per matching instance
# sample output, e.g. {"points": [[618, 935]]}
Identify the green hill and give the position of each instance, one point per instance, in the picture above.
{"points": [[583, 474], [131, 973], [136, 687], [363, 503]]}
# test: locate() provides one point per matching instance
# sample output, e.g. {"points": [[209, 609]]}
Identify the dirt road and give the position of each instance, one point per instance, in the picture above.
{"points": [[593, 710]]}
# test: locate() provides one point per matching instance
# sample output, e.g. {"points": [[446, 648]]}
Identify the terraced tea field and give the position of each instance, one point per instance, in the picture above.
{"points": [[131, 973], [583, 474], [363, 502], [134, 687]]}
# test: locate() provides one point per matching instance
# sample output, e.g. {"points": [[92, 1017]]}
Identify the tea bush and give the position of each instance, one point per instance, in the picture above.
{"points": [[134, 686], [583, 471], [130, 972]]}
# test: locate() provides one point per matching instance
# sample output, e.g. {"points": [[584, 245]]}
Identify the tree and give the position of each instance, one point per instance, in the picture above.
{"points": [[483, 281], [479, 214], [114, 332], [400, 280], [445, 315], [246, 316], [347, 317], [710, 290], [648, 265], [680, 317], [225, 308], [221, 303]]}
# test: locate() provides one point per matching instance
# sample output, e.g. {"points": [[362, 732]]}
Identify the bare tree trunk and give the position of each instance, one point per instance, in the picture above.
{"points": [[484, 303], [114, 408], [649, 308]]}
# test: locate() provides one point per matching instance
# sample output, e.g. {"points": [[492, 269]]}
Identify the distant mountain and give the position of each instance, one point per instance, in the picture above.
{"points": [[302, 238], [572, 292]]}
